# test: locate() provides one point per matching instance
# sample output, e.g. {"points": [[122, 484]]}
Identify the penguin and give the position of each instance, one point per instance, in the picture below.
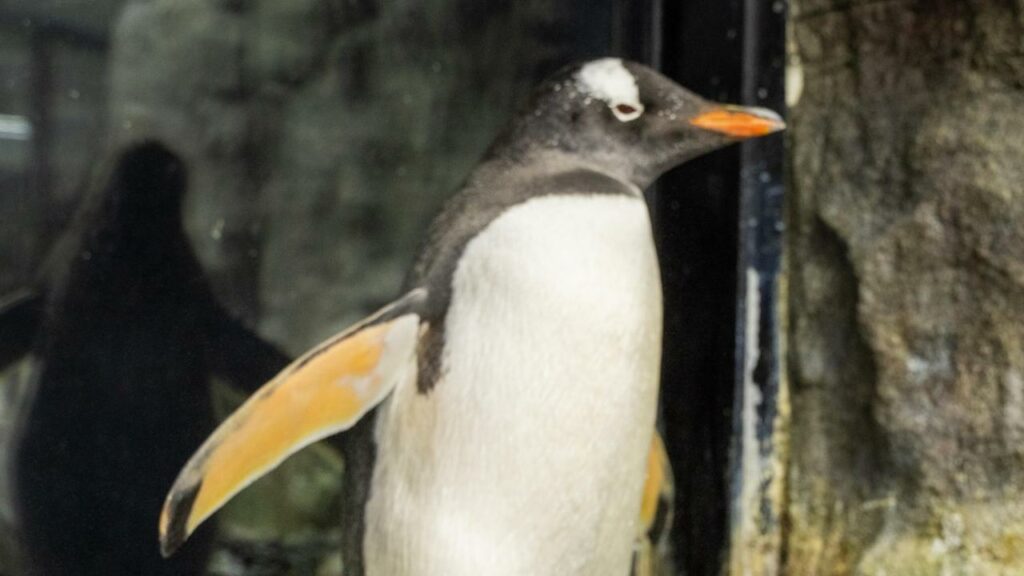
{"points": [[126, 334], [500, 413], [653, 554]]}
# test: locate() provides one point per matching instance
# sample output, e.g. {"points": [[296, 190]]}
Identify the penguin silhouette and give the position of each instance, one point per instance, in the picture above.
{"points": [[127, 334]]}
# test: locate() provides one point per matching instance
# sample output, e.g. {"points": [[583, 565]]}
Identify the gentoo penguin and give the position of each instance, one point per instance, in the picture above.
{"points": [[126, 334], [516, 381]]}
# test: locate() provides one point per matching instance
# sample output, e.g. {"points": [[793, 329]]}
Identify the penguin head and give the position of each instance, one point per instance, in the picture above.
{"points": [[149, 177], [139, 187], [631, 120]]}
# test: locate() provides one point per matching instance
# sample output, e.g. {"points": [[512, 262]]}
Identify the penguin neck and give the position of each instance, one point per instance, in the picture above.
{"points": [[139, 227], [545, 161], [549, 139], [148, 219]]}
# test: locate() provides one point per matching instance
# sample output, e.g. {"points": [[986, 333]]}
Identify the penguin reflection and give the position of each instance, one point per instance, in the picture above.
{"points": [[126, 334]]}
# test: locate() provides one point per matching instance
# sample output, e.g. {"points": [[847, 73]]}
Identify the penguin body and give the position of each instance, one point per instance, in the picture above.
{"points": [[126, 336], [543, 379], [517, 378]]}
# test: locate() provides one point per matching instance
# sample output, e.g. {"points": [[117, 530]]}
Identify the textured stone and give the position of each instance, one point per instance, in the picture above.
{"points": [[907, 289]]}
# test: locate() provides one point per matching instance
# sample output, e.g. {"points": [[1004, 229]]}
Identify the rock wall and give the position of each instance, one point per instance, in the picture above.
{"points": [[323, 134], [906, 277]]}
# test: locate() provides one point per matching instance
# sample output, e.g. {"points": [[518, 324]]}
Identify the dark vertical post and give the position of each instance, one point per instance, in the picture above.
{"points": [[638, 30], [697, 208], [40, 103], [718, 225], [40, 88]]}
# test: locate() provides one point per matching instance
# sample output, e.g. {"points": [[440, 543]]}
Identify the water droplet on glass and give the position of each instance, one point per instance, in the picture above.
{"points": [[764, 177], [762, 93], [778, 6], [217, 232], [731, 33], [74, 94]]}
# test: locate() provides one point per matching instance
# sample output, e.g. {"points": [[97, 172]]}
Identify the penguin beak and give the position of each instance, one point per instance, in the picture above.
{"points": [[740, 122]]}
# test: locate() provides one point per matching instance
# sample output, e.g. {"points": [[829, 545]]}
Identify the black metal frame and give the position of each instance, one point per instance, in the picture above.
{"points": [[43, 34], [719, 223]]}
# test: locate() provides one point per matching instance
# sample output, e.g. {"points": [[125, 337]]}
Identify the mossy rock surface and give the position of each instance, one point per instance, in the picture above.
{"points": [[906, 276]]}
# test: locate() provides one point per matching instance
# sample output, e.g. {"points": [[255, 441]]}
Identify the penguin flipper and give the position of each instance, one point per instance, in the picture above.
{"points": [[325, 391], [241, 356], [656, 509], [20, 315]]}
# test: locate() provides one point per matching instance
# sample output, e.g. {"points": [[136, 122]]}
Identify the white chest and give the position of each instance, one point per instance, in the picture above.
{"points": [[527, 458]]}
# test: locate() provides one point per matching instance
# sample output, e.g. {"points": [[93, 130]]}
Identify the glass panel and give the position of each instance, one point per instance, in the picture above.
{"points": [[319, 136], [16, 203]]}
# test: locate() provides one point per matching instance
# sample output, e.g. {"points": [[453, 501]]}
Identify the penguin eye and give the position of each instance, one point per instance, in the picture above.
{"points": [[627, 112]]}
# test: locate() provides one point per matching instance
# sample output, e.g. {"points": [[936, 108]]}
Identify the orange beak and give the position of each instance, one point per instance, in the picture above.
{"points": [[739, 121]]}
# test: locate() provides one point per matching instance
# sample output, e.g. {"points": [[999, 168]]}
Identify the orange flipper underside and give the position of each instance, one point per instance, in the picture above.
{"points": [[324, 392], [655, 519], [658, 483]]}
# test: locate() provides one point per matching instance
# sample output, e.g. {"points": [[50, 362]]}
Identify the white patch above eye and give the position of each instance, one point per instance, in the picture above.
{"points": [[609, 80]]}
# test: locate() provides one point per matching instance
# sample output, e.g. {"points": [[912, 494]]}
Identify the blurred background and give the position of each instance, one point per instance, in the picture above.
{"points": [[845, 399]]}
